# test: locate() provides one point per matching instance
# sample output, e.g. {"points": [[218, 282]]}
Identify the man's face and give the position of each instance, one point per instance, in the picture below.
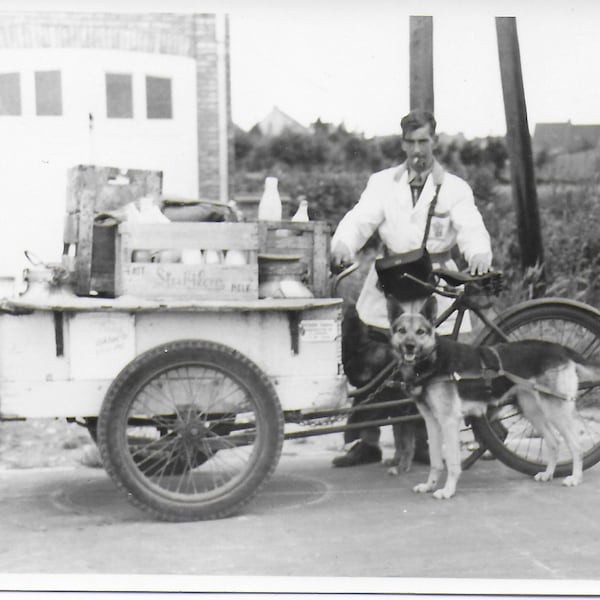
{"points": [[418, 145]]}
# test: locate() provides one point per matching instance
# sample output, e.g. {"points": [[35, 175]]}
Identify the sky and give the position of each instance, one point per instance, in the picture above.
{"points": [[347, 61]]}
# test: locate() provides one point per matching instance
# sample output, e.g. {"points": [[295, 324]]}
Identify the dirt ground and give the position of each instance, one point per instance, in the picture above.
{"points": [[39, 443], [46, 443]]}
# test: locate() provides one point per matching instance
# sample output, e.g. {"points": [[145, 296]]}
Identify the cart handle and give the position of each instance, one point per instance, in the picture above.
{"points": [[34, 259], [340, 273]]}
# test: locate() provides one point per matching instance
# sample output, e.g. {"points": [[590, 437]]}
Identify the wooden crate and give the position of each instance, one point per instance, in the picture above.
{"points": [[164, 281], [309, 240], [93, 190]]}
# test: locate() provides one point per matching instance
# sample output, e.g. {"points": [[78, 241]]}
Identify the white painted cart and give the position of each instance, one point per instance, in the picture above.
{"points": [[187, 400]]}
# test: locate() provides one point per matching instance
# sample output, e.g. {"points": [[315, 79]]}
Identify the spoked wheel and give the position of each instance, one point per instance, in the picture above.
{"points": [[471, 449], [190, 430], [504, 430]]}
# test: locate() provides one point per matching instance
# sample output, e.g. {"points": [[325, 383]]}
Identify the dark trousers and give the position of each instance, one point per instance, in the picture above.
{"points": [[365, 352]]}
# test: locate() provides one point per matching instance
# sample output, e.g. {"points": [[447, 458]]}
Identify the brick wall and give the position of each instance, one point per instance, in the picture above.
{"points": [[190, 35]]}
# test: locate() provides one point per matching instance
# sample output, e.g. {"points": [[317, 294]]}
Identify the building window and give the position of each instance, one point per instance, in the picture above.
{"points": [[159, 104], [10, 94], [119, 96], [48, 93]]}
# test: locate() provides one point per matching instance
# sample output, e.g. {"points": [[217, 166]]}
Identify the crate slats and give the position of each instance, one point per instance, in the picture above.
{"points": [[164, 281], [309, 240]]}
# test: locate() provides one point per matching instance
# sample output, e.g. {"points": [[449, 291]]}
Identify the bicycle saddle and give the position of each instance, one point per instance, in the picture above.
{"points": [[456, 278]]}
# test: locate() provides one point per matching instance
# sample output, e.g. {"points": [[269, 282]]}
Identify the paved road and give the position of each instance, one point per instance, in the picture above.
{"points": [[310, 521]]}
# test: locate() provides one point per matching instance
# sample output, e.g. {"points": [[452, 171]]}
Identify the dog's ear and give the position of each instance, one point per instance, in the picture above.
{"points": [[429, 309], [394, 308]]}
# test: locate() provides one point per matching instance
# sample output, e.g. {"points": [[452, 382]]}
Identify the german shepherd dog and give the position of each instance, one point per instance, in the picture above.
{"points": [[546, 389]]}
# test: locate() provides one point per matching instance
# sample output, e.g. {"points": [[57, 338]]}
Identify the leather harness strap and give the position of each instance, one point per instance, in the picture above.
{"points": [[487, 374]]}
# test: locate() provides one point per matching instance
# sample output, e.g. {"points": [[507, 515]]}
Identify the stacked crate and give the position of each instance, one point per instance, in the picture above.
{"points": [[308, 240], [89, 246], [175, 280], [104, 258]]}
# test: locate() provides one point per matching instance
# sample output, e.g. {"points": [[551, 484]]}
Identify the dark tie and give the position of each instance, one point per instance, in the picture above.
{"points": [[415, 190]]}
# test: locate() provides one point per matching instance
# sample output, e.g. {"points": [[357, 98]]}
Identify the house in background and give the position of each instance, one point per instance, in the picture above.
{"points": [[276, 122], [133, 91], [570, 153], [558, 138]]}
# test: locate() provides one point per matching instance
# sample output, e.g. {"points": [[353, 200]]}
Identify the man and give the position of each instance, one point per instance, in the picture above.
{"points": [[395, 203]]}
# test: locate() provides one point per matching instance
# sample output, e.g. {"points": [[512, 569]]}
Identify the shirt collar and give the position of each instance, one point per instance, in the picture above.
{"points": [[418, 179], [437, 172]]}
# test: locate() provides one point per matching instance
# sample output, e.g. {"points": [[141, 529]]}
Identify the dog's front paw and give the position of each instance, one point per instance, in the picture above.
{"points": [[544, 476], [443, 494], [393, 471], [572, 480], [422, 488]]}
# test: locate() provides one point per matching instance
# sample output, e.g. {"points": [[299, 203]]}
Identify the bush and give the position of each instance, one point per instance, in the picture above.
{"points": [[331, 166]]}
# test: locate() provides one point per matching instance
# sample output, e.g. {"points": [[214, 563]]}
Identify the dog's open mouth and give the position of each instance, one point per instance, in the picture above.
{"points": [[409, 355]]}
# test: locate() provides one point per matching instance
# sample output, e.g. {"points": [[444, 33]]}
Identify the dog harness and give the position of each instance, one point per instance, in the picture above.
{"points": [[487, 381]]}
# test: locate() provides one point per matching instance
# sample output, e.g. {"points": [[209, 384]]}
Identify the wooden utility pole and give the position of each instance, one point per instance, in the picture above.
{"points": [[421, 63], [519, 143]]}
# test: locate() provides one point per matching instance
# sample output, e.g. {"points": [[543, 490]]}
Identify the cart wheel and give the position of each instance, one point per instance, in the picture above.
{"points": [[504, 430], [190, 430]]}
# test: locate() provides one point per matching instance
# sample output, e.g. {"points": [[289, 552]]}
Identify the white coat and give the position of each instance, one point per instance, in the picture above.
{"points": [[386, 206]]}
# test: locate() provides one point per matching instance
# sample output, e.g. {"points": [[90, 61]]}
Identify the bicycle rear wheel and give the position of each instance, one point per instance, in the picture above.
{"points": [[504, 430]]}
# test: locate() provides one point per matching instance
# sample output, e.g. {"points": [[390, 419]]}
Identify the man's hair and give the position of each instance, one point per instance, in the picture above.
{"points": [[416, 119]]}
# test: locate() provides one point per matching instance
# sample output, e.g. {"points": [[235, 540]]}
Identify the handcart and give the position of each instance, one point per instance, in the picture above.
{"points": [[190, 400]]}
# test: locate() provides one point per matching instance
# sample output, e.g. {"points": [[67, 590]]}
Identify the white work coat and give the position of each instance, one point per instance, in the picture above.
{"points": [[386, 206]]}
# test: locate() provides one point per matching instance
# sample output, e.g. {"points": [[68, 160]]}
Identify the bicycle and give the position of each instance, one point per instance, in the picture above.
{"points": [[503, 430]]}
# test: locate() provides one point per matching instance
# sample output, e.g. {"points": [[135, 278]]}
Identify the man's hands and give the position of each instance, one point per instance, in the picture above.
{"points": [[480, 263], [340, 256]]}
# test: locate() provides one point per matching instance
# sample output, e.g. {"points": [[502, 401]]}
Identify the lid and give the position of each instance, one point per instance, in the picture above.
{"points": [[280, 257]]}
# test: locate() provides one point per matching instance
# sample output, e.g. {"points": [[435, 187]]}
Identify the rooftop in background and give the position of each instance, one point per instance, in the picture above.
{"points": [[560, 138], [277, 121]]}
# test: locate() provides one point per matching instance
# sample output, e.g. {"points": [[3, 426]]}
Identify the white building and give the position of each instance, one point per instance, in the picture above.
{"points": [[137, 91]]}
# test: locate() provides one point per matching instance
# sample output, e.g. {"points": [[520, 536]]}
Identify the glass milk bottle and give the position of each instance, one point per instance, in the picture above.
{"points": [[301, 215], [269, 207], [235, 257], [213, 257]]}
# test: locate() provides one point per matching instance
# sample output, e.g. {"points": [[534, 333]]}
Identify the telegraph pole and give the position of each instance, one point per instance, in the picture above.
{"points": [[519, 144], [421, 63]]}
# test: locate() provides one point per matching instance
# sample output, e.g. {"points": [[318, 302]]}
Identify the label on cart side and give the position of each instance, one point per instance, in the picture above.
{"points": [[101, 344], [319, 330]]}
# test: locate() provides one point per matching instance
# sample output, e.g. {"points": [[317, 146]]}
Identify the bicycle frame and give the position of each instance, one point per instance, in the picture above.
{"points": [[462, 302]]}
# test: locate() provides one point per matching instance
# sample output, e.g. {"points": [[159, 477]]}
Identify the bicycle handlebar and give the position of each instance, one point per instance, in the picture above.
{"points": [[491, 282]]}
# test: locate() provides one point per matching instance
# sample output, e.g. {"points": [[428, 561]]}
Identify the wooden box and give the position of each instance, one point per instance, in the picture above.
{"points": [[181, 281], [309, 240], [93, 190]]}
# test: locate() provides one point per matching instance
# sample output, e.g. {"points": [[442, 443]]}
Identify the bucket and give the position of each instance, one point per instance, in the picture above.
{"points": [[282, 276]]}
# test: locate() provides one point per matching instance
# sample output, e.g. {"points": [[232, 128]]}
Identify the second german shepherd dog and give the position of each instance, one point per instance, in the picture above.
{"points": [[546, 389]]}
